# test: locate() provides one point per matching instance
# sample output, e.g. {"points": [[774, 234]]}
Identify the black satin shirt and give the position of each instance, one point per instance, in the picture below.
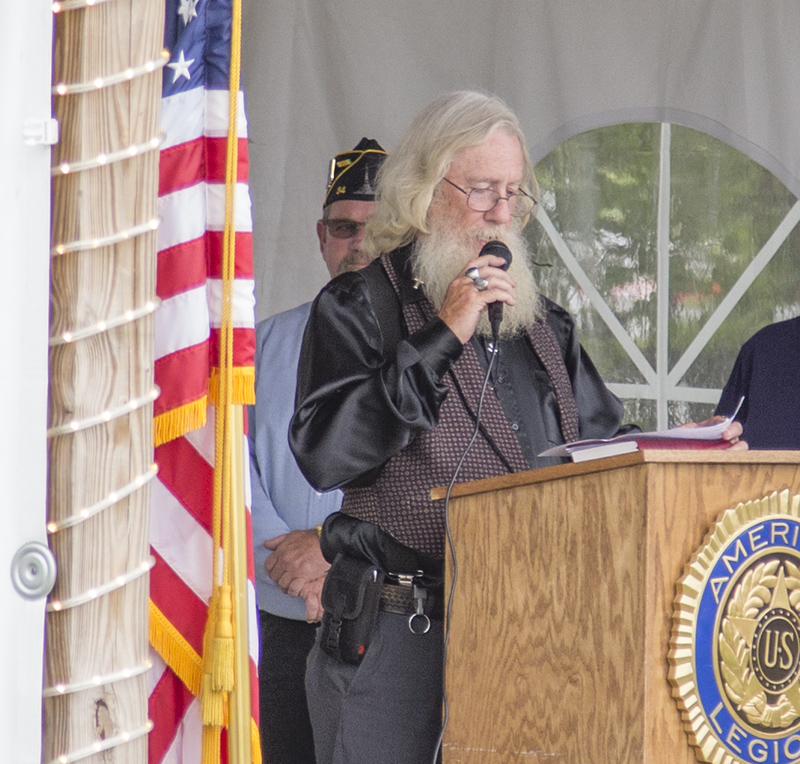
{"points": [[358, 402]]}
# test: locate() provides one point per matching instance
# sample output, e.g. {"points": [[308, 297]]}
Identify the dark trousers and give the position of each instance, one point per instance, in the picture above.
{"points": [[286, 736], [388, 710]]}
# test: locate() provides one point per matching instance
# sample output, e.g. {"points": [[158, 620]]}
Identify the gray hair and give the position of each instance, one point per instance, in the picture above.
{"points": [[409, 176]]}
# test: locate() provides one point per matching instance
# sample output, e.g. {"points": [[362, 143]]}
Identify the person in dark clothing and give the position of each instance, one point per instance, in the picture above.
{"points": [[767, 374]]}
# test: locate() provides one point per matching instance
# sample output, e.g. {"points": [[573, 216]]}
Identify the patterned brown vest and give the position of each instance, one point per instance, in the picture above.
{"points": [[399, 500]]}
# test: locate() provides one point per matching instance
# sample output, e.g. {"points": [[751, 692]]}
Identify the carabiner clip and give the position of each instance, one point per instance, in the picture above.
{"points": [[423, 625]]}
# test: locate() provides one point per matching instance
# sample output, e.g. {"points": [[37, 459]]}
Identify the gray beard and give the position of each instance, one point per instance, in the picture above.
{"points": [[353, 261], [443, 255]]}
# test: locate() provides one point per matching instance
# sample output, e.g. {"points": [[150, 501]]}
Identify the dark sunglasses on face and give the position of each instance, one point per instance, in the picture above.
{"points": [[342, 228]]}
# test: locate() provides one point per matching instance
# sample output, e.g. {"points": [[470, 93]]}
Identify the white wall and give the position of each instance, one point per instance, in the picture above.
{"points": [[25, 201]]}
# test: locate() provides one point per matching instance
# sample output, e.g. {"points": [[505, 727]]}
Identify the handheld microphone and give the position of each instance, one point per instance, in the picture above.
{"points": [[498, 249]]}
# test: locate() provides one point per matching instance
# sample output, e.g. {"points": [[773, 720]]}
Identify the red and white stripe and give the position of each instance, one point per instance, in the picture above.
{"points": [[192, 212]]}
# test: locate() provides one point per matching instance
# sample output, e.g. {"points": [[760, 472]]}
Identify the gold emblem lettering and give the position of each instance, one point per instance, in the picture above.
{"points": [[757, 750], [727, 559], [745, 582]]}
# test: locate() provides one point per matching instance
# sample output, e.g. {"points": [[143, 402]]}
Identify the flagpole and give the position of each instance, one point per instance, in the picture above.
{"points": [[240, 723]]}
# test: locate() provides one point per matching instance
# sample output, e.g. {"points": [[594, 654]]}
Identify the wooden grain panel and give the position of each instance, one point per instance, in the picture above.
{"points": [[108, 634], [562, 610], [569, 577]]}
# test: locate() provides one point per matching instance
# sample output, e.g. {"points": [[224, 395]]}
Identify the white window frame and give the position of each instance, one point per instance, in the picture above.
{"points": [[662, 384]]}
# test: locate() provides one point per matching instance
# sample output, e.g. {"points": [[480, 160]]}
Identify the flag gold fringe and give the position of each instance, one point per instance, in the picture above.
{"points": [[255, 741], [176, 423], [192, 416], [243, 390], [177, 653], [188, 667]]}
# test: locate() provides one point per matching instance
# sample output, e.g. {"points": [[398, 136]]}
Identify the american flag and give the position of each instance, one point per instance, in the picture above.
{"points": [[195, 117]]}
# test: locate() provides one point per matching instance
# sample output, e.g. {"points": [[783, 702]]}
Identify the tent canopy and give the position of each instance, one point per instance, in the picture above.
{"points": [[319, 76]]}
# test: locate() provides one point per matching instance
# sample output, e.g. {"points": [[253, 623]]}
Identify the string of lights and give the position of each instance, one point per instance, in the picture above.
{"points": [[62, 688], [135, 149], [106, 241], [127, 317], [56, 606], [73, 5], [98, 83], [106, 416], [108, 501], [103, 745]]}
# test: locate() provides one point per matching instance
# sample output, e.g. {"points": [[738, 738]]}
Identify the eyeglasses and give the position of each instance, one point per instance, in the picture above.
{"points": [[520, 203], [342, 228]]}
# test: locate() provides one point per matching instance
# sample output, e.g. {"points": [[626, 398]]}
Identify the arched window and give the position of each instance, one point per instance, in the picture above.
{"points": [[670, 249]]}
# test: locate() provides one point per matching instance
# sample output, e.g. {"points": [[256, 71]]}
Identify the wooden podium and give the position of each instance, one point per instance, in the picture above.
{"points": [[561, 620]]}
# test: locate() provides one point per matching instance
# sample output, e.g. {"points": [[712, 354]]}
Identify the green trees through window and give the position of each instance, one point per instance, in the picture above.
{"points": [[670, 249]]}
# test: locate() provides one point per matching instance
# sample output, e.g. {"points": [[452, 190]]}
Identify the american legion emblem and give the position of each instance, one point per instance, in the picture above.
{"points": [[735, 649]]}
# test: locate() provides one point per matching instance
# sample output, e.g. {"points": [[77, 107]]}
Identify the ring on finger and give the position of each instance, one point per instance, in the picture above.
{"points": [[481, 284], [472, 273]]}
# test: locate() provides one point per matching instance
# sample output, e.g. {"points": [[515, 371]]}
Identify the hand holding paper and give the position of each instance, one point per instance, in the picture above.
{"points": [[717, 432]]}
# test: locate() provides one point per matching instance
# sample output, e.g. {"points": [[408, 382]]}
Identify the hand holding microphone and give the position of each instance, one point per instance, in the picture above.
{"points": [[464, 302]]}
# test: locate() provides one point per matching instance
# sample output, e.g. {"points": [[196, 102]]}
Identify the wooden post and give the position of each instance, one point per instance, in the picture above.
{"points": [[101, 385]]}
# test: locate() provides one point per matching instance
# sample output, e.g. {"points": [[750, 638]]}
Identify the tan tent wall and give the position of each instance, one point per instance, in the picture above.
{"points": [[320, 75]]}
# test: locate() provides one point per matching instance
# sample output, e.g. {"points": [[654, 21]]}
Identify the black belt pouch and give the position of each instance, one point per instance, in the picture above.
{"points": [[350, 596]]}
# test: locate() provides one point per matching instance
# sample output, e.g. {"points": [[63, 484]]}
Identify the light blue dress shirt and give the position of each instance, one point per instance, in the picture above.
{"points": [[282, 499]]}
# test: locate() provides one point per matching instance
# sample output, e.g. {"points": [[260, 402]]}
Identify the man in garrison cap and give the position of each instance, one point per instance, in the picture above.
{"points": [[286, 510]]}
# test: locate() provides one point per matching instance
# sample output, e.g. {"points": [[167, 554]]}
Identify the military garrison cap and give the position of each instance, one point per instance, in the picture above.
{"points": [[352, 173]]}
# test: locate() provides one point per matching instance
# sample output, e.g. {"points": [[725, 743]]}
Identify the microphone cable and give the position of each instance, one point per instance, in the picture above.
{"points": [[451, 547]]}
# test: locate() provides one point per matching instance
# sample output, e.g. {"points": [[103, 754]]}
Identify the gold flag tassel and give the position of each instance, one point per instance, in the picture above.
{"points": [[225, 652], [212, 702], [218, 647], [211, 698], [211, 742], [223, 641]]}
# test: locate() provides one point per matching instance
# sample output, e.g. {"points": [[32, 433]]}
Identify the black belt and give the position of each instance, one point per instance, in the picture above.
{"points": [[400, 599]]}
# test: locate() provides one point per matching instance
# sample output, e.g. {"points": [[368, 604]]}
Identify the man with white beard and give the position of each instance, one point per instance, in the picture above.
{"points": [[389, 382]]}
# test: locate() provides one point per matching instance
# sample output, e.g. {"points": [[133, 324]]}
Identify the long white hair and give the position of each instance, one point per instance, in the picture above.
{"points": [[410, 174]]}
